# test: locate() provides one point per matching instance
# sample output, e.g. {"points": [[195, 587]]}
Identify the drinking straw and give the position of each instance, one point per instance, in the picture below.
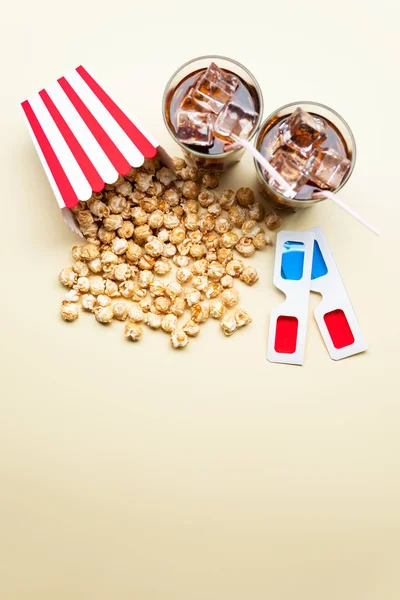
{"points": [[347, 208], [288, 190]]}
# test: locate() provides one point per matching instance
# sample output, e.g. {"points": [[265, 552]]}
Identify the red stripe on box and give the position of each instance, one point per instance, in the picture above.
{"points": [[115, 156], [91, 174], [137, 137], [66, 190], [286, 334], [339, 328]]}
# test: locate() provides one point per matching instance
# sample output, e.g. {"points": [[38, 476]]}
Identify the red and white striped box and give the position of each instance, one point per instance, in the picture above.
{"points": [[84, 139]]}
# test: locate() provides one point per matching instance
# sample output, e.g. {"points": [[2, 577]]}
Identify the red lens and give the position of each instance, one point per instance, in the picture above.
{"points": [[339, 328], [286, 334]]}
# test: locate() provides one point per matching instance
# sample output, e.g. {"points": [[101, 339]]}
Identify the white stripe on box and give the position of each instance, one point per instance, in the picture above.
{"points": [[81, 131], [109, 124], [67, 160]]}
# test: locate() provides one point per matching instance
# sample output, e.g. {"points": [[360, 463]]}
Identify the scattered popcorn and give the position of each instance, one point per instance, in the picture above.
{"points": [[245, 196], [133, 332], [242, 318], [72, 296], [273, 221], [135, 313], [67, 277], [120, 310], [104, 314], [249, 275], [179, 339], [88, 302], [191, 328], [200, 313], [82, 285], [169, 323], [103, 300], [217, 309], [228, 325], [69, 311], [230, 297], [155, 222], [153, 320]]}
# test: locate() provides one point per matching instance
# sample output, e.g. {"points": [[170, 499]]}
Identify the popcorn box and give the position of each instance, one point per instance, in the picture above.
{"points": [[84, 139]]}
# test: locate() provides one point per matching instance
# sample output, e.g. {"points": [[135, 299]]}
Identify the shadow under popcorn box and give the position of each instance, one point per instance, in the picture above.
{"points": [[84, 140]]}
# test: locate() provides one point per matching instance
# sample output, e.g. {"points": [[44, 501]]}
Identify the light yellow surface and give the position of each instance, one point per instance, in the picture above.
{"points": [[135, 472]]}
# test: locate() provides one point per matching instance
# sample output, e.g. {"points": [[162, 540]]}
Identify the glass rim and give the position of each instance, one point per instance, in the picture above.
{"points": [[341, 119], [186, 64]]}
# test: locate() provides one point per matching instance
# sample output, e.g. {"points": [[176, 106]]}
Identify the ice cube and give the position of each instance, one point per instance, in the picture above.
{"points": [[328, 169], [225, 80], [210, 98], [291, 166], [189, 103], [302, 132], [195, 128], [214, 88], [235, 120]]}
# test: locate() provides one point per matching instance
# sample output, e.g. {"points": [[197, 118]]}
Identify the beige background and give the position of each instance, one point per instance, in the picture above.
{"points": [[133, 472]]}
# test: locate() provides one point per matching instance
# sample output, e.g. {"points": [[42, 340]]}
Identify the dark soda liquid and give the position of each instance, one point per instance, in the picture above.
{"points": [[245, 95], [334, 140]]}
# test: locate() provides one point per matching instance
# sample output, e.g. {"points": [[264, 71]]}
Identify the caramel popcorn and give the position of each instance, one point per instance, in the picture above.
{"points": [[67, 277], [272, 221], [245, 247], [81, 268], [69, 311], [169, 323], [192, 297], [88, 302], [147, 222], [135, 313], [200, 313], [111, 289], [228, 325], [133, 332], [242, 318], [217, 309], [191, 328], [173, 290], [83, 285], [178, 306], [235, 267], [227, 199], [215, 271], [72, 296], [184, 274], [104, 314], [230, 297], [249, 275], [113, 222], [162, 266], [245, 196], [152, 320], [210, 180], [181, 261], [162, 304], [179, 339], [97, 284]]}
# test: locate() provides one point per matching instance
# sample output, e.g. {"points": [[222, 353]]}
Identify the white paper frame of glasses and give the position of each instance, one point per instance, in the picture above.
{"points": [[334, 297], [297, 297]]}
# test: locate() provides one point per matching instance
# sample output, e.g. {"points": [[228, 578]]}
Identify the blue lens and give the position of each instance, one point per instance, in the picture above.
{"points": [[292, 260], [319, 268]]}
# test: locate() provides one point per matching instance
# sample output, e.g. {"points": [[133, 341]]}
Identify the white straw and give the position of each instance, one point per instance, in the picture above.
{"points": [[288, 190], [347, 208], [264, 163]]}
